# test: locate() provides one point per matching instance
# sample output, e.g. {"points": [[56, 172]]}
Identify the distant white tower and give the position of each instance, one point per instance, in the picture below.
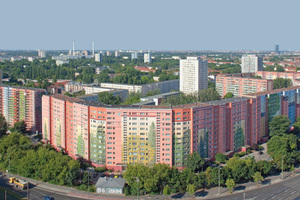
{"points": [[147, 58], [193, 75], [251, 63], [98, 57], [117, 53], [134, 55], [93, 48], [73, 48]]}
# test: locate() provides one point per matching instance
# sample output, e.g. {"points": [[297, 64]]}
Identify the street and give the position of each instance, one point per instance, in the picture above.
{"points": [[289, 189]]}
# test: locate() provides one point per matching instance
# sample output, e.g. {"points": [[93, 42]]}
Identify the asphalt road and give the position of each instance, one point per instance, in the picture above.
{"points": [[36, 193], [289, 189]]}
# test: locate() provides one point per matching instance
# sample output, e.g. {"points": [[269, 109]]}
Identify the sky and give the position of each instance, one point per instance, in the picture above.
{"points": [[150, 25]]}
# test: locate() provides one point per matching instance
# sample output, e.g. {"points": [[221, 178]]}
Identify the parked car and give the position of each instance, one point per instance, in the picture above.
{"points": [[48, 198]]}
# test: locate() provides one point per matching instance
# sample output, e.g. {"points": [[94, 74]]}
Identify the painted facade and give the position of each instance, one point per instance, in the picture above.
{"points": [[115, 135], [21, 103]]}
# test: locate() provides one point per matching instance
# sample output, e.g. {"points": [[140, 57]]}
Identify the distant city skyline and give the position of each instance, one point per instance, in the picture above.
{"points": [[159, 25]]}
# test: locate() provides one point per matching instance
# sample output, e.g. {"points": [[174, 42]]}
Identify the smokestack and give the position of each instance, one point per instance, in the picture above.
{"points": [[93, 48], [73, 48]]}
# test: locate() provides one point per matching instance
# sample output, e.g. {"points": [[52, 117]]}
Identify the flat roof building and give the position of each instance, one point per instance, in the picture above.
{"points": [[193, 75]]}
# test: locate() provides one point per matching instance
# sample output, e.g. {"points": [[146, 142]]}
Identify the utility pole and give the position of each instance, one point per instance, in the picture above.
{"points": [[219, 180], [27, 190], [282, 167], [137, 189], [5, 195], [88, 184], [9, 167]]}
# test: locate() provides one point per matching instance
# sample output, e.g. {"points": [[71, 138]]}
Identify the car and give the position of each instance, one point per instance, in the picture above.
{"points": [[260, 153], [48, 198]]}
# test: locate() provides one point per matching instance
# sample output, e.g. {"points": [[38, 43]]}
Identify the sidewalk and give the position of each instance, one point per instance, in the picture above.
{"points": [[211, 193]]}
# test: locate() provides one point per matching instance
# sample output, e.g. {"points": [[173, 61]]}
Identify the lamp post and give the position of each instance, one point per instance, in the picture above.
{"points": [[137, 189], [282, 167], [219, 179]]}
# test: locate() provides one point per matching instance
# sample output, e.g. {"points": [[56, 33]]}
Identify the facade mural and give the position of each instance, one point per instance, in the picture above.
{"points": [[97, 141]]}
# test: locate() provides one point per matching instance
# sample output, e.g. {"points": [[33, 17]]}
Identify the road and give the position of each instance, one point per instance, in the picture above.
{"points": [[36, 193], [289, 189]]}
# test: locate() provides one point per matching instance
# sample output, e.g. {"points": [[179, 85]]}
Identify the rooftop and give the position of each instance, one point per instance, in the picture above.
{"points": [[66, 98], [272, 91], [24, 88], [110, 183]]}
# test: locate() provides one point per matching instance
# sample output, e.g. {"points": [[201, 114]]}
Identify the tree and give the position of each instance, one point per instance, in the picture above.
{"points": [[228, 95], [220, 157], [296, 126], [208, 174], [257, 177], [54, 79], [230, 185], [3, 125], [108, 98], [279, 125], [191, 188], [167, 190], [133, 98], [279, 68], [282, 83], [20, 127], [194, 162], [286, 147], [86, 180]]}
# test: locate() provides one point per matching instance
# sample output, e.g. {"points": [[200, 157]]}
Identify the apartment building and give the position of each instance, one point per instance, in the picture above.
{"points": [[118, 135], [21, 103], [294, 76], [193, 75], [251, 63], [238, 85], [163, 87]]}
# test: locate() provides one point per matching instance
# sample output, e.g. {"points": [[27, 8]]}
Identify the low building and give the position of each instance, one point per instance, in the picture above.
{"points": [[158, 98], [110, 185]]}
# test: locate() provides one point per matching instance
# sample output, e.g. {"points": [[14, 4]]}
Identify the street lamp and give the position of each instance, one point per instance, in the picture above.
{"points": [[219, 178], [138, 189], [282, 167]]}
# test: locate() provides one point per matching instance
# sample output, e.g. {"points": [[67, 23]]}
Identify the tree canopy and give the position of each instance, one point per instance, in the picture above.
{"points": [[3, 125], [279, 125], [108, 98], [282, 83], [209, 94], [228, 95], [194, 162]]}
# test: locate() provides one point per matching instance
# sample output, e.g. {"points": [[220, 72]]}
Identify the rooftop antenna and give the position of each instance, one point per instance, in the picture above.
{"points": [[93, 48], [73, 48]]}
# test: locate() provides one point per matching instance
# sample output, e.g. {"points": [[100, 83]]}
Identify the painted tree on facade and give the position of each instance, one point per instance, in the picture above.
{"points": [[80, 142], [45, 130], [152, 144]]}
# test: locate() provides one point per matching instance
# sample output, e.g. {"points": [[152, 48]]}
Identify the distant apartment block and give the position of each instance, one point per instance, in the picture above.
{"points": [[238, 85], [98, 57], [41, 54], [251, 63], [134, 55], [1, 77], [73, 86], [147, 58], [294, 76], [117, 53], [193, 75], [277, 49], [21, 103], [163, 87]]}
